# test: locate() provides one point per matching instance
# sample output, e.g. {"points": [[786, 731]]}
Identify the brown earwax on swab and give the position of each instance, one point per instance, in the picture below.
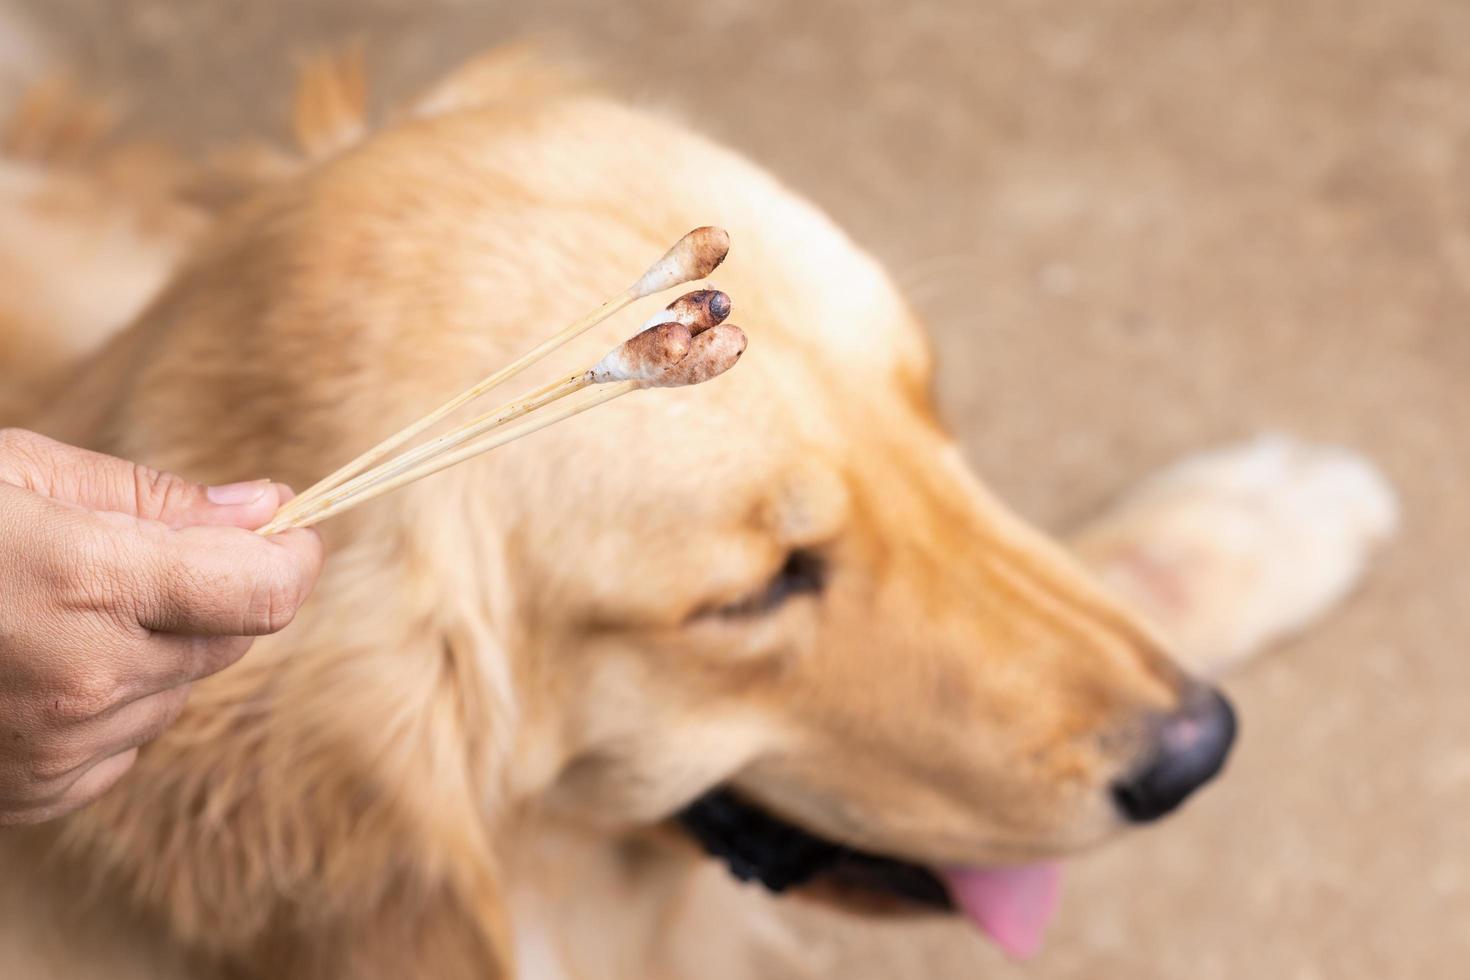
{"points": [[694, 256], [698, 311], [645, 361]]}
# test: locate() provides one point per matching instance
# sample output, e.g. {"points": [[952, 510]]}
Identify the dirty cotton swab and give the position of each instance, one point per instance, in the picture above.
{"points": [[711, 354], [699, 310], [640, 358], [664, 343], [694, 256]]}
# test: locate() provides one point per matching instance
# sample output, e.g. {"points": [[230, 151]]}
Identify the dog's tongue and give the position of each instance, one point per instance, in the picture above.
{"points": [[1012, 905]]}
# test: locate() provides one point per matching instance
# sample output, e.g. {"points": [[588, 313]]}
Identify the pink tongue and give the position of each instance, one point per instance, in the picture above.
{"points": [[1012, 905]]}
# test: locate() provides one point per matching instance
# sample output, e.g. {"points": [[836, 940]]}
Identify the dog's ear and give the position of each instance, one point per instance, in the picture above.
{"points": [[334, 785]]}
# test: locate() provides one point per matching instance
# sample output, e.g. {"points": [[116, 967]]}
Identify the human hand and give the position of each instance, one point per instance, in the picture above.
{"points": [[119, 586]]}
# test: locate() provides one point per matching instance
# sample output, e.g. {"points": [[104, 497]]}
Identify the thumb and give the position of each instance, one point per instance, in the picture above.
{"points": [[100, 482]]}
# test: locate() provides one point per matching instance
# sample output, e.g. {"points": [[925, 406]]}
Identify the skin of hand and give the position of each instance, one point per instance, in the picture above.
{"points": [[119, 587]]}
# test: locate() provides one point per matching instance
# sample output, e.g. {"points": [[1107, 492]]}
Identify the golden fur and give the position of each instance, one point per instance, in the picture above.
{"points": [[533, 644]]}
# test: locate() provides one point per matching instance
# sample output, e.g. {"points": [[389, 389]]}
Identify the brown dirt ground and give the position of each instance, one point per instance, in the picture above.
{"points": [[1137, 227]]}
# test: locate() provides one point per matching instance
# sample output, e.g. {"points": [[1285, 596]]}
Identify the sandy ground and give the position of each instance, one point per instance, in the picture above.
{"points": [[1137, 228]]}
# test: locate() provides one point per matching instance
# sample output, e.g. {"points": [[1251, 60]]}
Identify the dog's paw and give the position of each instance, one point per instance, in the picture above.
{"points": [[1229, 550]]}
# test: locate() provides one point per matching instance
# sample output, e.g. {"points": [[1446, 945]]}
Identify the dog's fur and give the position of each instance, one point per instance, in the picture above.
{"points": [[561, 643]]}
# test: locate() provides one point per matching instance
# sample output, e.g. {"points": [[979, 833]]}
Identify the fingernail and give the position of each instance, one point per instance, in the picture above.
{"points": [[238, 494]]}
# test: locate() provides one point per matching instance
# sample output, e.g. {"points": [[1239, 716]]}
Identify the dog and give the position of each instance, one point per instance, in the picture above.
{"points": [[775, 618]]}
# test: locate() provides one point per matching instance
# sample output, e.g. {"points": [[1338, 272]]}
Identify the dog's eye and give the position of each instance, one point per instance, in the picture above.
{"points": [[803, 573]]}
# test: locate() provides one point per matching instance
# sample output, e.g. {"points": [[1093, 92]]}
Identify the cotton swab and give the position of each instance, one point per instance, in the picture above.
{"points": [[694, 256], [666, 341], [635, 359], [698, 311], [710, 354]]}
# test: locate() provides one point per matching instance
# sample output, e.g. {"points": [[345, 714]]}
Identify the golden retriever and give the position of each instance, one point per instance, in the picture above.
{"points": [[775, 615]]}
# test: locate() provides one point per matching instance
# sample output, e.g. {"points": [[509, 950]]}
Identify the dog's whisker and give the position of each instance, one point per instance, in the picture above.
{"points": [[692, 257], [662, 357], [922, 279]]}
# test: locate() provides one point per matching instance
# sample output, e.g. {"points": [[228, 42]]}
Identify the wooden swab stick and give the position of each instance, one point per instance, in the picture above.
{"points": [[711, 354], [664, 341], [639, 358], [334, 506], [692, 257]]}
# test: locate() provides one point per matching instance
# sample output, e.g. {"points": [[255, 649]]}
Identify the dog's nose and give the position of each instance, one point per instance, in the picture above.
{"points": [[1192, 746]]}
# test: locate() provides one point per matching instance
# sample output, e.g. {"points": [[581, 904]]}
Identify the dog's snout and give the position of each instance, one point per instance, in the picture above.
{"points": [[1190, 750]]}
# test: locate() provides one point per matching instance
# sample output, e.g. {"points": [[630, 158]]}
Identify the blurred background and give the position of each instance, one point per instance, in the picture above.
{"points": [[1137, 228]]}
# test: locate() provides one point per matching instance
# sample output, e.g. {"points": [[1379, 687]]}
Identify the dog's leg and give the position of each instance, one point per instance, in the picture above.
{"points": [[1227, 551]]}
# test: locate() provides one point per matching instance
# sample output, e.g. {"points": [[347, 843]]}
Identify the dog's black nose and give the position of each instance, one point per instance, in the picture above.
{"points": [[1192, 746]]}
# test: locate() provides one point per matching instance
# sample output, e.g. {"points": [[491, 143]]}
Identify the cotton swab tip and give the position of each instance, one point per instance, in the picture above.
{"points": [[698, 311], [645, 356], [711, 354], [694, 256]]}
